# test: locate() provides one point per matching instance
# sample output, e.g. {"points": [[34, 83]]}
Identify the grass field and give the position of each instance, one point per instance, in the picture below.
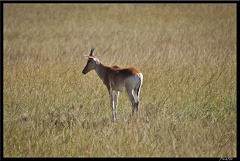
{"points": [[186, 52]]}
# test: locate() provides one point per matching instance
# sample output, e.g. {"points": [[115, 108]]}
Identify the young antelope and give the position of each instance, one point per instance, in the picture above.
{"points": [[117, 79]]}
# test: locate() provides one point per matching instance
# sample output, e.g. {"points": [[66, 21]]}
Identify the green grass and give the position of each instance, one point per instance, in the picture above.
{"points": [[186, 52]]}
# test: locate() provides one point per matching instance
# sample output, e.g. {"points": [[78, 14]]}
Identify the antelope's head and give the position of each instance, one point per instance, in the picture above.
{"points": [[91, 63]]}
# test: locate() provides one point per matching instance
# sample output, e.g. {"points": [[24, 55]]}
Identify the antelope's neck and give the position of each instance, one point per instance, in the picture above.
{"points": [[101, 70]]}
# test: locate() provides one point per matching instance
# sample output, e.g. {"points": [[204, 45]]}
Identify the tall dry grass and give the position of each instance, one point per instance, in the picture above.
{"points": [[186, 52]]}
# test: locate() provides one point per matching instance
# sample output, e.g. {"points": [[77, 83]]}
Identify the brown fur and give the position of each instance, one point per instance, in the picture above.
{"points": [[117, 74]]}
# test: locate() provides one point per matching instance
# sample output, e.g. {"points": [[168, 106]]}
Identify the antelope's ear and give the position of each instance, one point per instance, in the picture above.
{"points": [[86, 56]]}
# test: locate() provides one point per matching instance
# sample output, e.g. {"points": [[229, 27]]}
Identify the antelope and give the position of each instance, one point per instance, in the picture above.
{"points": [[117, 79]]}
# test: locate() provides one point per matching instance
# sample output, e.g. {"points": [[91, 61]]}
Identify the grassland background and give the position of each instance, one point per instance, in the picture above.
{"points": [[186, 52]]}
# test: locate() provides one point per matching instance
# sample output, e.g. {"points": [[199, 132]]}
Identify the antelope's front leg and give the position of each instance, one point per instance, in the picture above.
{"points": [[111, 92], [116, 94]]}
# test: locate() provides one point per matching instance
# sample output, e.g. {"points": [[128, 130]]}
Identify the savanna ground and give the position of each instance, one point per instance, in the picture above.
{"points": [[186, 52]]}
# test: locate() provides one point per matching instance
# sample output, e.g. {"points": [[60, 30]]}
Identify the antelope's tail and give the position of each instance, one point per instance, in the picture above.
{"points": [[139, 85]]}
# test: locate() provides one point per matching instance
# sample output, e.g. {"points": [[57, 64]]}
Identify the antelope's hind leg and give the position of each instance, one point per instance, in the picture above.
{"points": [[133, 101], [136, 96], [136, 93]]}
